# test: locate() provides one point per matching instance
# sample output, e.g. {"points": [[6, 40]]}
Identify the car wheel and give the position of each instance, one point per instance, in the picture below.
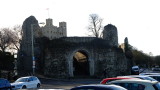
{"points": [[24, 87], [38, 85]]}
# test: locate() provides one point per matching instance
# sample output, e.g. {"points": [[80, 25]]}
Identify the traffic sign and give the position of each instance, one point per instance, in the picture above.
{"points": [[33, 63], [33, 66], [33, 58]]}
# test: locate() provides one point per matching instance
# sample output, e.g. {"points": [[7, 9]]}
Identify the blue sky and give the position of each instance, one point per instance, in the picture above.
{"points": [[136, 19]]}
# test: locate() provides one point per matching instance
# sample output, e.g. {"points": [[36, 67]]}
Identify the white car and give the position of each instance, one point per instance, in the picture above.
{"points": [[26, 82], [137, 84], [156, 77], [149, 73]]}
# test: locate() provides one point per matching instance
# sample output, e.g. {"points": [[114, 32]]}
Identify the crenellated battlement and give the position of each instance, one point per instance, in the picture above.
{"points": [[52, 32]]}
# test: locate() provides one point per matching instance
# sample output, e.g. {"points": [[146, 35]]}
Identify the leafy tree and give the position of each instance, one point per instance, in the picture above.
{"points": [[142, 59], [95, 25], [139, 57]]}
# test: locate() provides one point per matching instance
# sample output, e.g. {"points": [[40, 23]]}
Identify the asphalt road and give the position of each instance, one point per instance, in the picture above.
{"points": [[66, 83]]}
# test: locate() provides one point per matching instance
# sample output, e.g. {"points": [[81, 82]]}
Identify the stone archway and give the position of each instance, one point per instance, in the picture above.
{"points": [[72, 63], [80, 64]]}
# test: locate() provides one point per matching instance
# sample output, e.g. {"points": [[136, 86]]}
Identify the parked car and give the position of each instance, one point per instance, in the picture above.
{"points": [[4, 84], [149, 73], [143, 77], [106, 80], [156, 69], [156, 77], [26, 82], [131, 84], [98, 87], [135, 70]]}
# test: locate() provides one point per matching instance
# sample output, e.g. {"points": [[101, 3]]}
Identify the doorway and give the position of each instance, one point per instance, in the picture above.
{"points": [[80, 64]]}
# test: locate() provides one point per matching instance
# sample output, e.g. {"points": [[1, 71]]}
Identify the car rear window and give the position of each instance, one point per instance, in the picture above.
{"points": [[110, 80], [156, 77], [131, 86]]}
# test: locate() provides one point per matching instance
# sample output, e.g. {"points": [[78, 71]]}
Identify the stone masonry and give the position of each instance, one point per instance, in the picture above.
{"points": [[55, 57]]}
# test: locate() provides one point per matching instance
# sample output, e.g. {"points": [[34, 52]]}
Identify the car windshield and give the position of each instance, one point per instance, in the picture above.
{"points": [[135, 68], [22, 80], [157, 86]]}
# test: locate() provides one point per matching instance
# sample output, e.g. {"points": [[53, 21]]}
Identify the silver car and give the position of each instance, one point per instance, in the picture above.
{"points": [[26, 82], [156, 77], [137, 84], [98, 87]]}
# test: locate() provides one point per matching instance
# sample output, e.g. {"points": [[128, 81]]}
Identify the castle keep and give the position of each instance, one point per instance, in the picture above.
{"points": [[59, 56], [53, 32]]}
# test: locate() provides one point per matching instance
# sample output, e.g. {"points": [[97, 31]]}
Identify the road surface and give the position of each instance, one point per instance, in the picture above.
{"points": [[66, 83]]}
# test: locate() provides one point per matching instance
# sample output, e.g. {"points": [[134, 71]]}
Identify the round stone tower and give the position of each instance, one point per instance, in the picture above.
{"points": [[111, 35]]}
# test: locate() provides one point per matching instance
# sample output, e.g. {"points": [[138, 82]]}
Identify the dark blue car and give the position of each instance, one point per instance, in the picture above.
{"points": [[4, 84]]}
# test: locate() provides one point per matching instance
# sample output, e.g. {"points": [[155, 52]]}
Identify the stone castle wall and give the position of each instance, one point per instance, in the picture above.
{"points": [[57, 59], [111, 35]]}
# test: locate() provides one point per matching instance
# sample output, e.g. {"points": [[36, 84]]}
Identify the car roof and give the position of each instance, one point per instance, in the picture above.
{"points": [[107, 86], [153, 75], [116, 78], [142, 77], [27, 76], [106, 80], [149, 73], [135, 67], [133, 81], [134, 76]]}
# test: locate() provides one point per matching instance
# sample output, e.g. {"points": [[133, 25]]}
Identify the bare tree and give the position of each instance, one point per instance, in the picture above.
{"points": [[10, 38], [17, 37], [5, 38], [95, 25]]}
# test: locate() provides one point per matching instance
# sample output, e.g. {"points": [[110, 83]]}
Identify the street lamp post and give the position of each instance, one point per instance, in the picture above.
{"points": [[33, 57]]}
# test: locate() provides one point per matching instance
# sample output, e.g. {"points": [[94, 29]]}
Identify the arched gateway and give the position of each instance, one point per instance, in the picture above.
{"points": [[80, 63]]}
